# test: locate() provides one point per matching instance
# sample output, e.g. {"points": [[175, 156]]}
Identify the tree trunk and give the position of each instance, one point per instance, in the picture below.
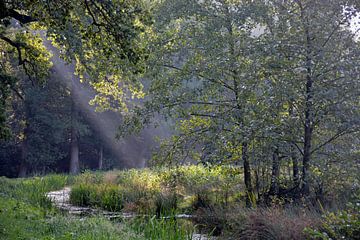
{"points": [[101, 157], [295, 167], [306, 159], [275, 174], [308, 119], [293, 156], [24, 145], [74, 144], [247, 174], [23, 164], [308, 125], [74, 152]]}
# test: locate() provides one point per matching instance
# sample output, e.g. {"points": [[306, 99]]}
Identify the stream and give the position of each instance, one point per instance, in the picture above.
{"points": [[61, 199]]}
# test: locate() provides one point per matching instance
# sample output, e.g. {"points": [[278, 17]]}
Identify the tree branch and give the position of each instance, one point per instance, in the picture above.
{"points": [[224, 84], [336, 136], [24, 19], [15, 45]]}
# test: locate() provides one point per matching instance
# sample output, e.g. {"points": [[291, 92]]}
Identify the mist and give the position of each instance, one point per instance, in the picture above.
{"points": [[131, 152]]}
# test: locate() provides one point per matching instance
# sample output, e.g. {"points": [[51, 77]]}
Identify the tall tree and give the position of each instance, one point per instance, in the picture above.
{"points": [[318, 58], [101, 37]]}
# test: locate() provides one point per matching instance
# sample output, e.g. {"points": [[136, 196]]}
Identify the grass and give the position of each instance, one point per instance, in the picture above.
{"points": [[19, 220], [215, 196], [25, 213], [159, 191], [212, 195], [169, 229]]}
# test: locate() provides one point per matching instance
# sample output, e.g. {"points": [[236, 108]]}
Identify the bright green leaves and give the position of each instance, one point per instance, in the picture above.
{"points": [[36, 57]]}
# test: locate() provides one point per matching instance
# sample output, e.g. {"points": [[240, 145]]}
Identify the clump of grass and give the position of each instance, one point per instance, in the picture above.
{"points": [[165, 204], [112, 198], [169, 229], [272, 223], [106, 196], [82, 195]]}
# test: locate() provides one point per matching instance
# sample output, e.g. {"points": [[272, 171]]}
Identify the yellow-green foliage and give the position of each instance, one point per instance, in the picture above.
{"points": [[161, 190]]}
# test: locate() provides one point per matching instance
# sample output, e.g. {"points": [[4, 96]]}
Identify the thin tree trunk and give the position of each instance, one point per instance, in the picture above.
{"points": [[101, 157], [23, 168], [23, 164], [275, 174], [295, 167], [74, 152], [308, 114], [294, 159], [247, 174], [74, 144]]}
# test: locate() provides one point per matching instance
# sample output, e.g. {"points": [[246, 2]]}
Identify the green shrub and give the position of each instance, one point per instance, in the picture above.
{"points": [[342, 225]]}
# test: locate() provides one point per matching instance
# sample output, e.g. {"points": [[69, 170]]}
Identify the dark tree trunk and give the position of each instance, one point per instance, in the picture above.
{"points": [[275, 174], [74, 141], [308, 116], [101, 157], [306, 159], [23, 164], [308, 121], [247, 174], [295, 167], [294, 159], [23, 168]]}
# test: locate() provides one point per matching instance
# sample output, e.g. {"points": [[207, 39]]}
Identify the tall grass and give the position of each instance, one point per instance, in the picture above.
{"points": [[20, 220], [159, 191], [33, 190], [169, 229]]}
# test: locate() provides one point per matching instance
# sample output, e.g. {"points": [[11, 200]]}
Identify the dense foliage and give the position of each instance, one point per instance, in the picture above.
{"points": [[262, 100]]}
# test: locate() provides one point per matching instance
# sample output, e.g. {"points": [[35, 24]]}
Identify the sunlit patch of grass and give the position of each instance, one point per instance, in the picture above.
{"points": [[160, 190]]}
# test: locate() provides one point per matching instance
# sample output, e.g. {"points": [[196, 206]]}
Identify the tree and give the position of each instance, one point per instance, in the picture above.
{"points": [[315, 58], [202, 75], [275, 79], [102, 37]]}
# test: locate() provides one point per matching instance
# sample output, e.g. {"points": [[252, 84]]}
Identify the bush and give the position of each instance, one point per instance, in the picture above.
{"points": [[342, 225]]}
